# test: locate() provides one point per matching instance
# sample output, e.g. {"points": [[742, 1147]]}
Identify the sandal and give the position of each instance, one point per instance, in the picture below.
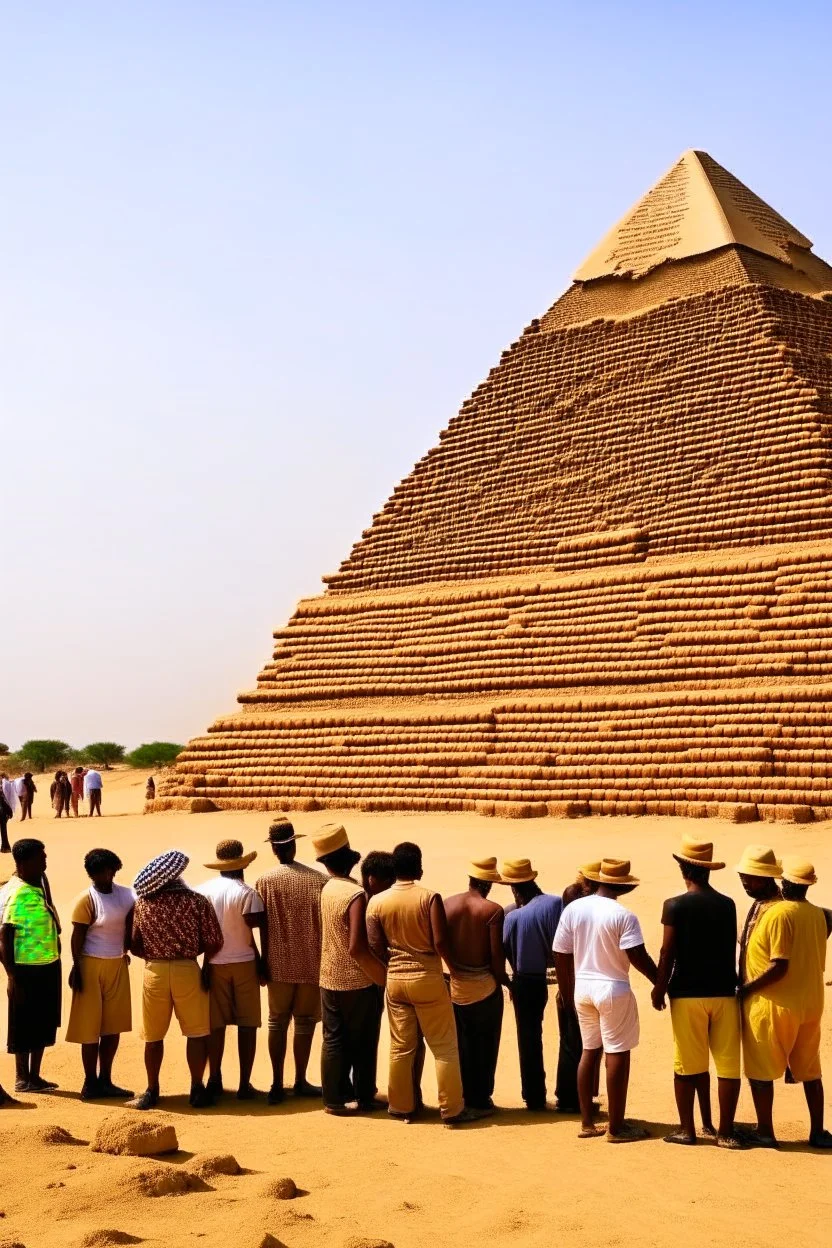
{"points": [[590, 1133], [679, 1137], [730, 1141], [630, 1131]]}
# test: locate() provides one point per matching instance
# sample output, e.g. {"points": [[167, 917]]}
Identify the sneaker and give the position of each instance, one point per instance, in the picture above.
{"points": [[147, 1100], [459, 1120]]}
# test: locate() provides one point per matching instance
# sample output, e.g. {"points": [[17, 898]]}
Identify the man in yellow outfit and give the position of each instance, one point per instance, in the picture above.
{"points": [[782, 960]]}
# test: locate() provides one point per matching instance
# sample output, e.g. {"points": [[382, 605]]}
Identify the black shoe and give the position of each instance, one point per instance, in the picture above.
{"points": [[306, 1089], [91, 1089], [200, 1098], [41, 1085], [247, 1093], [276, 1095], [214, 1085], [110, 1089], [148, 1100]]}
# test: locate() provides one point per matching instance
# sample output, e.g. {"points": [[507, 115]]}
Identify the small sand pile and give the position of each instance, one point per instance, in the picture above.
{"points": [[127, 1135], [158, 1181], [52, 1134], [11, 1243], [264, 1240], [365, 1241], [105, 1238], [209, 1165], [281, 1189]]}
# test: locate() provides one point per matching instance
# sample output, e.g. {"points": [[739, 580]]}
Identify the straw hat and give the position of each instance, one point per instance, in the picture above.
{"points": [[160, 871], [799, 871], [517, 871], [281, 832], [590, 871], [485, 869], [698, 854], [616, 871], [328, 838], [230, 857], [759, 860]]}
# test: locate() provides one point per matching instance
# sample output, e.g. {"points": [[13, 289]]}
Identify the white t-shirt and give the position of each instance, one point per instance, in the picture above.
{"points": [[104, 915], [598, 931], [92, 780], [232, 900]]}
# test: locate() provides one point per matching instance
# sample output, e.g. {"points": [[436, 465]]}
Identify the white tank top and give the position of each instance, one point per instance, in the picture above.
{"points": [[105, 935]]}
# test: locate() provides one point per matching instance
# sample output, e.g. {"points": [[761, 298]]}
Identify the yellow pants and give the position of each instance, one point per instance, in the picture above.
{"points": [[102, 1007], [704, 1025], [774, 1038], [422, 1001]]}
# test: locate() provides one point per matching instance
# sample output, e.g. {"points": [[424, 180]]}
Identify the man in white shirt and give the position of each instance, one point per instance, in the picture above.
{"points": [[92, 790], [237, 971], [596, 942]]}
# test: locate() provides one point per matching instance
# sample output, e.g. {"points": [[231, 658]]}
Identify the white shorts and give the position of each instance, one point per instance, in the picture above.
{"points": [[607, 1015]]}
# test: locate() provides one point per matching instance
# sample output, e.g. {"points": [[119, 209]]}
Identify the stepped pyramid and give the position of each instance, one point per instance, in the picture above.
{"points": [[608, 588]]}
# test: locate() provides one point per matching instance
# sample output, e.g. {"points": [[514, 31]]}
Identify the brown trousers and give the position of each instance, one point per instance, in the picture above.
{"points": [[414, 1003]]}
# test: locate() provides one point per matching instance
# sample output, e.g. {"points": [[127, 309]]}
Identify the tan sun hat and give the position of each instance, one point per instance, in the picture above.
{"points": [[328, 838], [799, 871], [759, 860], [698, 854], [230, 857], [517, 871], [590, 871], [616, 871], [485, 869]]}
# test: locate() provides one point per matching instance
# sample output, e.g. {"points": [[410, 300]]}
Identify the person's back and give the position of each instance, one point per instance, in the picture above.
{"points": [[801, 989], [705, 951], [403, 912], [597, 926], [232, 900], [469, 941], [528, 933], [291, 894]]}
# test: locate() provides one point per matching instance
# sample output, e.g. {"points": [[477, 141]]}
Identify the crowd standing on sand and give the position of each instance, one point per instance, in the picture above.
{"points": [[333, 948], [66, 792]]}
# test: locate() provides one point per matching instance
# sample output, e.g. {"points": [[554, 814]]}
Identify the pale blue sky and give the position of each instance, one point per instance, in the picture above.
{"points": [[253, 256]]}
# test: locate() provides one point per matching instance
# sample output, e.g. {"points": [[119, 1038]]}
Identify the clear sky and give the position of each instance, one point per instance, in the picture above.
{"points": [[253, 256]]}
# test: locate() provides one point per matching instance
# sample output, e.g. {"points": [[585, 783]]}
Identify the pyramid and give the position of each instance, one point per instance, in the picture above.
{"points": [[608, 588]]}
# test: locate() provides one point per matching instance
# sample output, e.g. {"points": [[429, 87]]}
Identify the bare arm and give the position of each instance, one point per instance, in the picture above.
{"points": [[76, 944], [565, 966], [439, 931], [359, 944], [641, 960], [498, 955], [773, 973], [667, 960], [377, 940]]}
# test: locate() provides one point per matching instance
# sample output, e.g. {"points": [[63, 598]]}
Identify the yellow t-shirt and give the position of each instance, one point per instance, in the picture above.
{"points": [[796, 931]]}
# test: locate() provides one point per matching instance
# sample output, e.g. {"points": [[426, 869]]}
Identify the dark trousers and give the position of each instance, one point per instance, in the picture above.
{"points": [[351, 1027], [4, 823], [34, 1007], [569, 1054], [478, 1030], [530, 994]]}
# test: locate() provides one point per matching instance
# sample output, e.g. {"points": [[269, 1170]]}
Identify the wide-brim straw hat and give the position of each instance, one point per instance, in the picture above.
{"points": [[799, 871], [760, 860], [590, 871], [281, 824], [616, 871], [160, 871], [485, 869], [230, 857], [517, 871], [698, 854], [328, 838]]}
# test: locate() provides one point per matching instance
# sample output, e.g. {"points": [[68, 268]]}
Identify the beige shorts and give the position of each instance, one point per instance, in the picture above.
{"points": [[607, 1015], [301, 1002], [235, 995], [102, 1008], [174, 987]]}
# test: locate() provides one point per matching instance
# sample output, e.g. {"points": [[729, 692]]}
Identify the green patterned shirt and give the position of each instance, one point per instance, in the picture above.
{"points": [[35, 929]]}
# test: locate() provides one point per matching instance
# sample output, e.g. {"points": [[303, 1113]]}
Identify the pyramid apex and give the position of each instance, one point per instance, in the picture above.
{"points": [[694, 208]]}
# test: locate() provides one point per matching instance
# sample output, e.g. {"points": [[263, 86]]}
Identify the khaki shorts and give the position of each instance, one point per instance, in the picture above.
{"points": [[235, 995], [174, 987], [102, 1008], [774, 1038], [302, 1002], [705, 1025]]}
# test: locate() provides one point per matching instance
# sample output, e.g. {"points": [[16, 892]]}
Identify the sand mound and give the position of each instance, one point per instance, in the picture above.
{"points": [[365, 1241], [281, 1189], [208, 1165], [266, 1240], [11, 1243], [105, 1237], [129, 1135], [51, 1134], [158, 1181]]}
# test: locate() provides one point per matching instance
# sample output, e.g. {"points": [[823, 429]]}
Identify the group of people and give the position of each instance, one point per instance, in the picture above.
{"points": [[66, 792], [333, 945]]}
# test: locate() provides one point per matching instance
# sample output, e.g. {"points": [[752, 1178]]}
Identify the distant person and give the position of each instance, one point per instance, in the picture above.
{"points": [[596, 943], [77, 784], [407, 930], [698, 971], [237, 969], [570, 1046], [60, 792], [291, 894], [29, 939], [92, 790], [475, 940], [102, 923], [352, 980], [150, 790], [8, 801], [26, 790], [528, 932], [172, 926], [782, 960]]}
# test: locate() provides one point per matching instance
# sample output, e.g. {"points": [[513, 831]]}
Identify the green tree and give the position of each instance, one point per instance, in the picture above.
{"points": [[4, 749], [44, 755], [154, 754], [103, 752]]}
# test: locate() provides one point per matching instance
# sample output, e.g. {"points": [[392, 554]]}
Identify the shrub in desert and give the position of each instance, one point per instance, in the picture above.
{"points": [[44, 754], [103, 753], [154, 754]]}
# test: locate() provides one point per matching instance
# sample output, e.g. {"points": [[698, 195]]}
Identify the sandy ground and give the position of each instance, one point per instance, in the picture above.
{"points": [[516, 1179]]}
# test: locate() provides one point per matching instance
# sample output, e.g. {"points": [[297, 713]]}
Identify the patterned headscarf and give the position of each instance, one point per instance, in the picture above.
{"points": [[159, 872]]}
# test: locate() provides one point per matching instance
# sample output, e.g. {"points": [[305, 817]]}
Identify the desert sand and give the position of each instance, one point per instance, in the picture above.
{"points": [[516, 1180]]}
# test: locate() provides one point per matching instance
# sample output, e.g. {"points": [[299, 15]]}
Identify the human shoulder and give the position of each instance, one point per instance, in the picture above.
{"points": [[83, 908]]}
